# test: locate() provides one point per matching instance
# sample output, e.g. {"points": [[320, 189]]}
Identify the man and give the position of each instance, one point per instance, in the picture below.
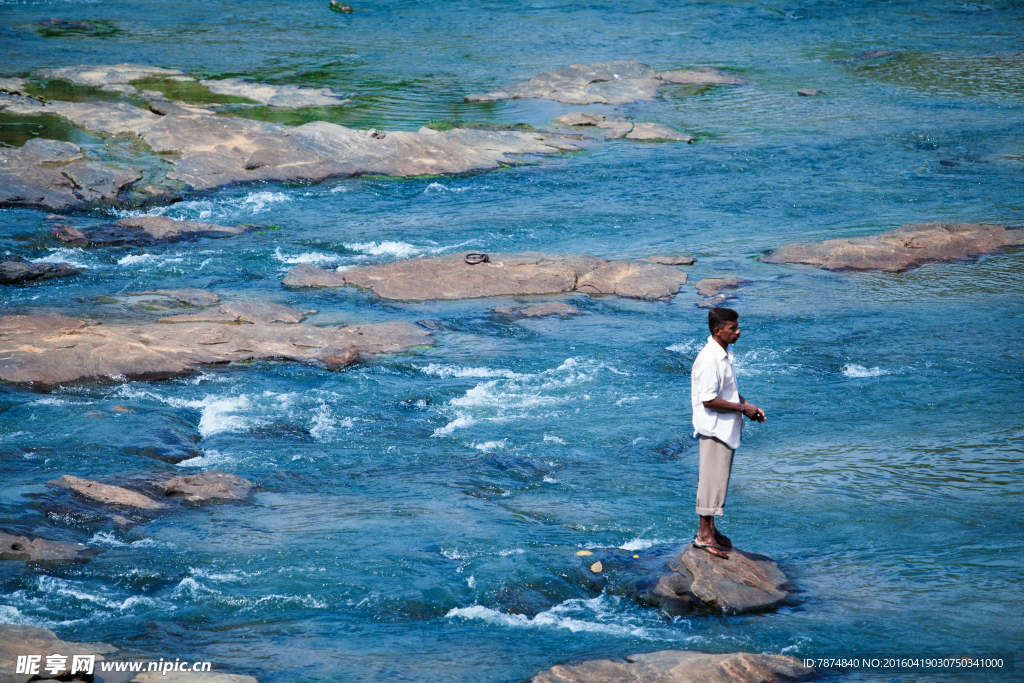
{"points": [[718, 410]]}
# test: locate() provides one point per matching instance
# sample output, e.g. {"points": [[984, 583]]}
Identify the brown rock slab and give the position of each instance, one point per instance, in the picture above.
{"points": [[712, 286], [18, 272], [615, 129], [578, 118], [212, 485], [244, 312], [40, 550], [618, 82], [50, 349], [906, 247], [449, 277], [540, 311], [671, 260], [105, 493], [680, 666], [704, 75], [164, 228], [656, 132], [48, 173], [745, 582], [67, 233], [18, 641], [715, 301], [192, 297]]}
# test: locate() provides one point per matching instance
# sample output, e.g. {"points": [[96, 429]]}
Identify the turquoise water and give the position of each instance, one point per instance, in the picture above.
{"points": [[417, 518]]}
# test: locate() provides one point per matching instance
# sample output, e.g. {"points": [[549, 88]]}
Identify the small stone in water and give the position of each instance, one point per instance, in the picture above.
{"points": [[341, 7], [584, 553], [808, 92], [596, 567]]}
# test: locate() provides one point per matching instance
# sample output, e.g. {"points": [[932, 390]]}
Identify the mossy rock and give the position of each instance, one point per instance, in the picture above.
{"points": [[451, 124], [59, 28], [341, 7]]}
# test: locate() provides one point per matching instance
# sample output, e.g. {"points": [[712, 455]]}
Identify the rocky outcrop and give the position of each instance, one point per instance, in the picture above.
{"points": [[191, 677], [905, 247], [671, 260], [17, 641], [144, 230], [808, 92], [18, 272], [51, 349], [539, 311], [450, 277], [40, 550], [51, 173], [100, 75], [704, 75], [192, 297], [105, 493], [244, 312], [745, 582], [618, 82], [680, 666], [212, 485], [712, 290], [285, 96], [620, 127], [213, 151]]}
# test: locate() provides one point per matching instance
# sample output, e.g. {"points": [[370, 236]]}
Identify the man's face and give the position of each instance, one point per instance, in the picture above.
{"points": [[729, 332]]}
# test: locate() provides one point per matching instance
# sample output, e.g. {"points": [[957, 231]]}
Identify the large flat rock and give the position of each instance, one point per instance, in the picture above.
{"points": [[212, 152], [40, 550], [192, 677], [680, 666], [19, 272], [51, 173], [16, 641], [285, 96], [212, 485], [745, 582], [618, 82], [51, 349], [106, 493], [256, 313], [906, 247], [450, 277], [107, 74]]}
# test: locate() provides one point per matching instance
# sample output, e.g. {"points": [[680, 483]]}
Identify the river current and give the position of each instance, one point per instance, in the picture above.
{"points": [[418, 517]]}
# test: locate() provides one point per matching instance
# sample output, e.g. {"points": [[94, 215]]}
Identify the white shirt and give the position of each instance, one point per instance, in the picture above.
{"points": [[714, 377]]}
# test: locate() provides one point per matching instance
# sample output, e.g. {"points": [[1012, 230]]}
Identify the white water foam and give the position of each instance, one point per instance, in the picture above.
{"points": [[571, 615], [491, 445], [72, 257], [688, 346], [446, 371], [136, 259], [641, 543], [314, 257], [445, 189], [221, 208], [555, 439], [859, 371], [385, 248]]}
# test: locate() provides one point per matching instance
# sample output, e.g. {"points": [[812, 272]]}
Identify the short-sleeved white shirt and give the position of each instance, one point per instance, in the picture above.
{"points": [[713, 377]]}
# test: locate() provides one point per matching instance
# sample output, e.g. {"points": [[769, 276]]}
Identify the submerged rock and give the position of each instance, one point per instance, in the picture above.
{"points": [[40, 550], [745, 582], [656, 132], [711, 288], [671, 260], [243, 312], [99, 75], [808, 92], [207, 486], [105, 493], [906, 247], [52, 349], [540, 311], [680, 666], [164, 229], [450, 277], [17, 641], [618, 82], [50, 173], [287, 96], [18, 272], [704, 75], [68, 234], [578, 118], [192, 297]]}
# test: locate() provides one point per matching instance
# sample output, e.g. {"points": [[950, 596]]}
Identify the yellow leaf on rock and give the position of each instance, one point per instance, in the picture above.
{"points": [[596, 567], [583, 553]]}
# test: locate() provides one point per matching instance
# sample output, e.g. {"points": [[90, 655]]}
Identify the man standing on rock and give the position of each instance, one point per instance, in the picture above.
{"points": [[718, 410]]}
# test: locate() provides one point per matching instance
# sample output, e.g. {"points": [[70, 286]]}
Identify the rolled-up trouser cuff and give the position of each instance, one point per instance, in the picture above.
{"points": [[713, 479]]}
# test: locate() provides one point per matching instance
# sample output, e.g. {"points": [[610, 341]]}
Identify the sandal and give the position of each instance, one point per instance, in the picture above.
{"points": [[711, 549]]}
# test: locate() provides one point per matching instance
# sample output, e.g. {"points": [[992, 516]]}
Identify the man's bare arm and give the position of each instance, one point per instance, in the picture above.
{"points": [[749, 409]]}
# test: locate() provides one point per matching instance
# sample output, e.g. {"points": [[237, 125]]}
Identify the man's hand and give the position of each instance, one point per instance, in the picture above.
{"points": [[752, 412]]}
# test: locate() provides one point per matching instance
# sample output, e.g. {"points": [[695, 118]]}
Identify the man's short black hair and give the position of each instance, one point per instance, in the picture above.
{"points": [[720, 316]]}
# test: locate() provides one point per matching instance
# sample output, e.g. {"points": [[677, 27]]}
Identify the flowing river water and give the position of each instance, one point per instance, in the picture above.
{"points": [[418, 517]]}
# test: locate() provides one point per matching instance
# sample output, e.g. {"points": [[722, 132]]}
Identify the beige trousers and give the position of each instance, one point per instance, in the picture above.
{"points": [[713, 478]]}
